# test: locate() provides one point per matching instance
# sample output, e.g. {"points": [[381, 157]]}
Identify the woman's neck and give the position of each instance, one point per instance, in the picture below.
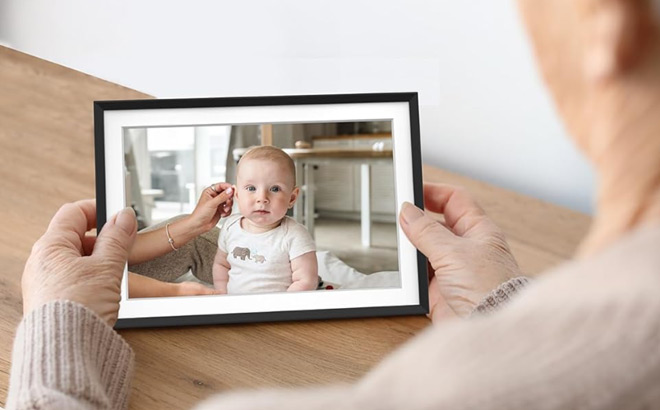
{"points": [[623, 206], [628, 165], [621, 131]]}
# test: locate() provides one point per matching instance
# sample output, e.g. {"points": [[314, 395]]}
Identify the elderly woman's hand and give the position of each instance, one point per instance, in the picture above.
{"points": [[65, 264], [468, 253]]}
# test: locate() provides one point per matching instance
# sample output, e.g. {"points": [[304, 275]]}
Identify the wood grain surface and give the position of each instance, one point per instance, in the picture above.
{"points": [[47, 159]]}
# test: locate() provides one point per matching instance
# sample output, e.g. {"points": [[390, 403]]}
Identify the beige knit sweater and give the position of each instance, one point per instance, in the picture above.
{"points": [[585, 336]]}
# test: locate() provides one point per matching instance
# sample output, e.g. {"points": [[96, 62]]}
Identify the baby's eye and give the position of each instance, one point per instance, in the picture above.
{"points": [[275, 189], [250, 188]]}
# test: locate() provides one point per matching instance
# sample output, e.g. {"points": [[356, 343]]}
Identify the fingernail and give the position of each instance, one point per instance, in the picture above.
{"points": [[410, 212], [126, 220], [228, 191]]}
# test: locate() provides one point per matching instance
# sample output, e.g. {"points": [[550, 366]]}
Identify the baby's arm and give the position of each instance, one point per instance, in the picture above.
{"points": [[220, 271], [305, 272]]}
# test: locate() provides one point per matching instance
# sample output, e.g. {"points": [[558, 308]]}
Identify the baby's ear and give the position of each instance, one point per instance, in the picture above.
{"points": [[294, 196], [235, 191]]}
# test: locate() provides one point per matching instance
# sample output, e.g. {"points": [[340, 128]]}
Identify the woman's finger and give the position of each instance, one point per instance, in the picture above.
{"points": [[425, 233], [88, 243], [78, 217], [221, 186], [223, 197], [116, 238], [226, 211], [213, 191], [460, 210]]}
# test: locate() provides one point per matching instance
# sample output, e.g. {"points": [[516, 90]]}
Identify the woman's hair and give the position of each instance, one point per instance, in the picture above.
{"points": [[270, 153]]}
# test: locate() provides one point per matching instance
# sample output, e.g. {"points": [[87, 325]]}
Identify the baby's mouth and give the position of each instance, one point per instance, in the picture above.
{"points": [[261, 212]]}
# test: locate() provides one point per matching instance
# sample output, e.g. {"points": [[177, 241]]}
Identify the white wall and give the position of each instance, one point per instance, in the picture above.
{"points": [[484, 111]]}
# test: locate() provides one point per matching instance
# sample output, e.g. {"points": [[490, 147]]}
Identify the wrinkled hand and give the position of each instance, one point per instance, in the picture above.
{"points": [[194, 289], [468, 253], [65, 264], [213, 205]]}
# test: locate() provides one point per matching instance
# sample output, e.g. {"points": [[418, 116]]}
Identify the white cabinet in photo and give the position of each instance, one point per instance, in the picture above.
{"points": [[338, 183]]}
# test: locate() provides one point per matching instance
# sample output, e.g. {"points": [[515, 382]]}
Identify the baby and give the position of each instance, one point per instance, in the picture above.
{"points": [[261, 249]]}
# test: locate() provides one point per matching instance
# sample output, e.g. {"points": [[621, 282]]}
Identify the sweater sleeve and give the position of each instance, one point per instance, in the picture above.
{"points": [[65, 356], [501, 295]]}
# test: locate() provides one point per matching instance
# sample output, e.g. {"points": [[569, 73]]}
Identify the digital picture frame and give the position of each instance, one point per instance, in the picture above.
{"points": [[357, 159]]}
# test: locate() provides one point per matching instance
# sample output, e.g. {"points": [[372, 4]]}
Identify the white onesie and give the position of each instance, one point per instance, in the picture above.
{"points": [[261, 262]]}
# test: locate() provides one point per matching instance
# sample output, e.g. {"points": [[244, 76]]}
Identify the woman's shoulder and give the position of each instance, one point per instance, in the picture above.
{"points": [[622, 274], [634, 254]]}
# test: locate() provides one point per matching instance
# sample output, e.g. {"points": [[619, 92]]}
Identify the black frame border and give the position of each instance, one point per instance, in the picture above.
{"points": [[100, 107]]}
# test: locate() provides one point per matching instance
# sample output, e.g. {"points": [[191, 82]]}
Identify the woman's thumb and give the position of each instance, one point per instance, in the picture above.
{"points": [[424, 232], [117, 236]]}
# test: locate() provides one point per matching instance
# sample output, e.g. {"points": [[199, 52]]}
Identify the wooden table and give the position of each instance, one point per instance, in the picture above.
{"points": [[47, 159]]}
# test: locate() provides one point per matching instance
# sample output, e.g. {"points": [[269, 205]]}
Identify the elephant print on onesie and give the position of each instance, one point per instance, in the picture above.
{"points": [[243, 253]]}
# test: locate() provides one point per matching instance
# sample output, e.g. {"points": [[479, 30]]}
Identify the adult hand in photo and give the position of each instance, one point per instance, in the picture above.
{"points": [[67, 264], [194, 289], [140, 286], [468, 253], [215, 202]]}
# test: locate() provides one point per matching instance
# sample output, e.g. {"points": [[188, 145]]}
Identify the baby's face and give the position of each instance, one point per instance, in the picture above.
{"points": [[264, 191]]}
